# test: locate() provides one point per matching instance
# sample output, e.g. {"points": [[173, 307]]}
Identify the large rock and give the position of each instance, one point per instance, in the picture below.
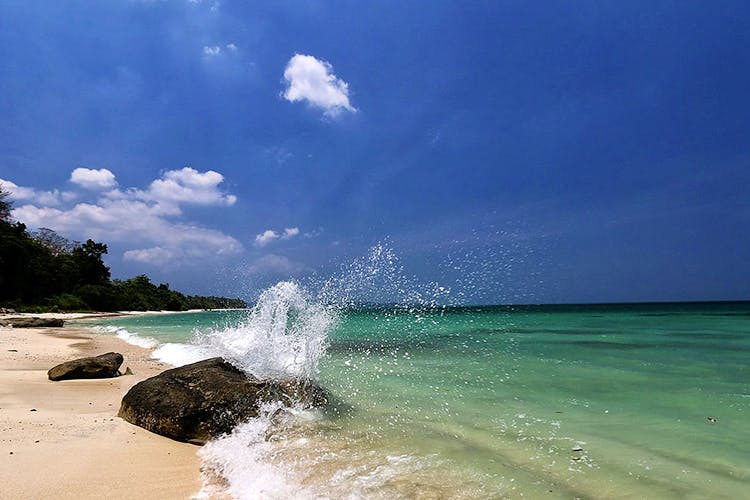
{"points": [[197, 402], [104, 366], [32, 322]]}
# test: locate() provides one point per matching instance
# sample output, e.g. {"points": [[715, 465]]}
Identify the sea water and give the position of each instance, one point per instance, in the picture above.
{"points": [[602, 401]]}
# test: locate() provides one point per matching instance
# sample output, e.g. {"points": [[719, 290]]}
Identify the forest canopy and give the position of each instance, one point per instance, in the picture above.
{"points": [[43, 271]]}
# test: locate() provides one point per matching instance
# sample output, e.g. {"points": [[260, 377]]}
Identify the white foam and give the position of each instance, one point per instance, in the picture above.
{"points": [[283, 337], [243, 460], [129, 337], [181, 354]]}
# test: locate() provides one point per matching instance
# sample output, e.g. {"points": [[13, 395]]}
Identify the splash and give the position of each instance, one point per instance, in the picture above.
{"points": [[378, 277], [242, 465], [286, 333], [283, 337]]}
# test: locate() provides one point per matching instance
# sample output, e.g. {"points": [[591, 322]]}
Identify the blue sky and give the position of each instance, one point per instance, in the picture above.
{"points": [[510, 151]]}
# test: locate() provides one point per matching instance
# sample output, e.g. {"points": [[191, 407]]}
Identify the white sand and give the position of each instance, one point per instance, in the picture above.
{"points": [[73, 445]]}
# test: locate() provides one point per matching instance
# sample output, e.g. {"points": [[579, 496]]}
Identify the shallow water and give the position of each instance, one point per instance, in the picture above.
{"points": [[558, 401]]}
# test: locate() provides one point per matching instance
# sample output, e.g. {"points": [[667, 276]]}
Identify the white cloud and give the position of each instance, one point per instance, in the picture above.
{"points": [[274, 264], [156, 255], [290, 232], [93, 179], [148, 221], [52, 198], [231, 47], [266, 237], [312, 80], [270, 235], [185, 187], [213, 50]]}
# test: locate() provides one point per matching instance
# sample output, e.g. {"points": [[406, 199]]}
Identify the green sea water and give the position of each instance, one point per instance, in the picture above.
{"points": [[600, 401]]}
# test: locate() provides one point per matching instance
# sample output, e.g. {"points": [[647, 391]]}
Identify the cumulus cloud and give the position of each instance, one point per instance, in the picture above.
{"points": [[231, 47], [312, 80], [187, 186], [148, 221], [93, 179], [21, 193], [270, 235], [266, 237]]}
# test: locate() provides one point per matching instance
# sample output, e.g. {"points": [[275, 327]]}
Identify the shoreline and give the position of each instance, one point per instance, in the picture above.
{"points": [[95, 315], [70, 429]]}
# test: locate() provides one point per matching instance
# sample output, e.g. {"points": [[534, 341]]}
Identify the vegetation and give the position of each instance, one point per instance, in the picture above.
{"points": [[43, 271]]}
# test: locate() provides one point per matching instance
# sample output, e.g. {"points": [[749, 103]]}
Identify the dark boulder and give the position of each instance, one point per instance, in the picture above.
{"points": [[32, 322], [197, 402], [104, 366]]}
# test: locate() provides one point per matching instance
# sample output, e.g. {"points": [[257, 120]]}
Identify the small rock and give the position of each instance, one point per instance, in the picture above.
{"points": [[104, 366], [128, 371], [33, 409]]}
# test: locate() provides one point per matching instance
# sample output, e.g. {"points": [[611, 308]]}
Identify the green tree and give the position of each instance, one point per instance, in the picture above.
{"points": [[88, 258]]}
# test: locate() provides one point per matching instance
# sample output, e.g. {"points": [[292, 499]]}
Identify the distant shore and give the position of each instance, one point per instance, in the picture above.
{"points": [[64, 439]]}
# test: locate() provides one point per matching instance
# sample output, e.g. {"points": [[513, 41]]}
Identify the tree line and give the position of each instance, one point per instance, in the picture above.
{"points": [[43, 271]]}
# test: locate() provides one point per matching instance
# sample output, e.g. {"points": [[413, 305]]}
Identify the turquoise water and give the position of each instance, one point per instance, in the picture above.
{"points": [[551, 401]]}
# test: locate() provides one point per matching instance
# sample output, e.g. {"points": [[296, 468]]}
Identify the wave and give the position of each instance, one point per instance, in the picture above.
{"points": [[283, 337], [129, 337], [176, 354]]}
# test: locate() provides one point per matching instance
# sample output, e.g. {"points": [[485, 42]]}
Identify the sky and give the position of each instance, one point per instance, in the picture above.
{"points": [[511, 152]]}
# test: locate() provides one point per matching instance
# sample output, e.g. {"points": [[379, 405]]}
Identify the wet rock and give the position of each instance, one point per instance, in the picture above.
{"points": [[197, 402], [104, 366], [32, 322]]}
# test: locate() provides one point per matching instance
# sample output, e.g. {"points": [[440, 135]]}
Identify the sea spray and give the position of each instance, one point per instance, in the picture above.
{"points": [[283, 336], [378, 277], [242, 463]]}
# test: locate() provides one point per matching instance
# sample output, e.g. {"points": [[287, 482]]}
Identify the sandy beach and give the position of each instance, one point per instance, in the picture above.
{"points": [[64, 439]]}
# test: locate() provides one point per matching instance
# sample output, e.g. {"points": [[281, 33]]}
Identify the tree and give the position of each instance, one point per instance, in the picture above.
{"points": [[5, 205], [88, 257], [55, 243]]}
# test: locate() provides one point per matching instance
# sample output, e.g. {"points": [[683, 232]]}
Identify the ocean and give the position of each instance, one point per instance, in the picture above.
{"points": [[565, 401]]}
